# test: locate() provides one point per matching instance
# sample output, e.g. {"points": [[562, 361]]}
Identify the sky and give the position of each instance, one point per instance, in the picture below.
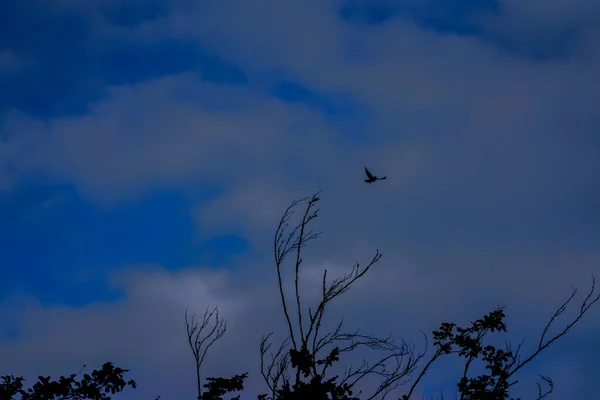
{"points": [[149, 148]]}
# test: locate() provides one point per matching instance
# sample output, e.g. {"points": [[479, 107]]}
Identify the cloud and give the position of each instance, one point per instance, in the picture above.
{"points": [[465, 97], [151, 135], [553, 14], [144, 331], [490, 152], [8, 61], [76, 51]]}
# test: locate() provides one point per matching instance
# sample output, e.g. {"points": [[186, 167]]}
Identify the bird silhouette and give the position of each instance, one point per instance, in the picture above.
{"points": [[372, 178]]}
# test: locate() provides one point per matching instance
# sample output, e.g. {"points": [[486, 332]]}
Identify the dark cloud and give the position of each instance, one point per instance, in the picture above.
{"points": [[71, 54], [491, 158]]}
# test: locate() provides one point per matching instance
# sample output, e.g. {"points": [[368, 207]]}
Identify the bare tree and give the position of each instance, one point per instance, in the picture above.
{"points": [[200, 340], [306, 342]]}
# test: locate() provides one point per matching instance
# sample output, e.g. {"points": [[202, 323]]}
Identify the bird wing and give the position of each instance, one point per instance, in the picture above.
{"points": [[369, 175]]}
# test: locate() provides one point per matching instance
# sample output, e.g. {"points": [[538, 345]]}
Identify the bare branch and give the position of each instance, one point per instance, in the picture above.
{"points": [[404, 364], [393, 368], [309, 215], [276, 370], [585, 306], [541, 394], [200, 343], [287, 241]]}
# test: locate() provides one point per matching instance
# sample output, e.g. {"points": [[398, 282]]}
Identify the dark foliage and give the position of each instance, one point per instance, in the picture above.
{"points": [[217, 387], [98, 385], [501, 364], [316, 388]]}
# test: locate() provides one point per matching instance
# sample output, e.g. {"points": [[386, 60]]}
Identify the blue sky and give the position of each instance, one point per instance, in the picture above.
{"points": [[162, 139]]}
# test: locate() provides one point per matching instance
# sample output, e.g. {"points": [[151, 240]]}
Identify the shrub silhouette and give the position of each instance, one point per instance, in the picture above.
{"points": [[217, 387], [98, 385]]}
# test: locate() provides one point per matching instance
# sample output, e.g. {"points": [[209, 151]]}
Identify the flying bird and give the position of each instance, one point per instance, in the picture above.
{"points": [[372, 178]]}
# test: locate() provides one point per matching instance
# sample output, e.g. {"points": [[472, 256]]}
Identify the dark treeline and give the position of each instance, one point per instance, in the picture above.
{"points": [[301, 366]]}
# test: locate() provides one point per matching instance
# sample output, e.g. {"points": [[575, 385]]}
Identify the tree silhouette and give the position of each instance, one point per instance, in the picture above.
{"points": [[200, 343], [96, 386], [217, 387], [308, 351], [301, 367], [298, 369], [502, 364]]}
